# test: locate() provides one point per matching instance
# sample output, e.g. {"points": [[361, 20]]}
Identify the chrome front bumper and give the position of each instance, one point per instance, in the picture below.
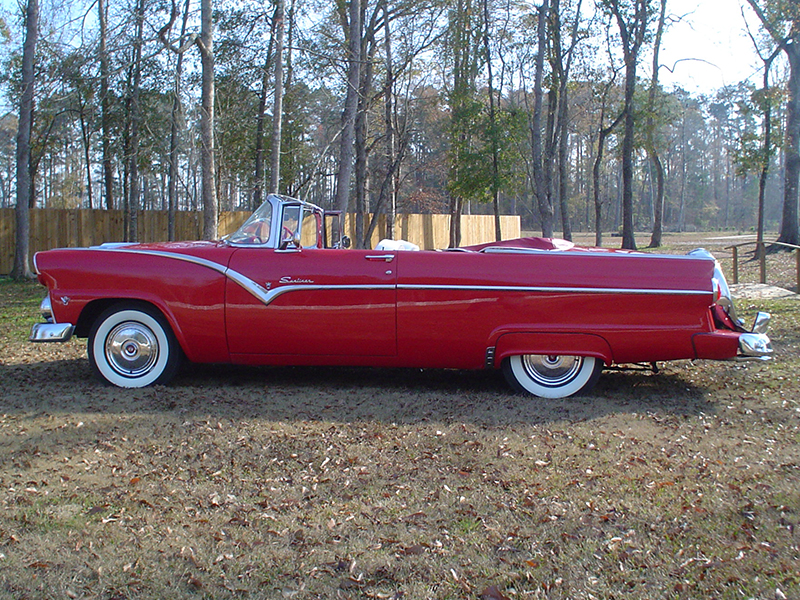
{"points": [[756, 345], [51, 332]]}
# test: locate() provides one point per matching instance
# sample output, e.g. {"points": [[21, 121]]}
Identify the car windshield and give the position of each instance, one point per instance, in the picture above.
{"points": [[256, 230]]}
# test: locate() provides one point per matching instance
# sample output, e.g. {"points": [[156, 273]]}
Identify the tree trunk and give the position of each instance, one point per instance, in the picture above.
{"points": [[208, 167], [493, 132], [632, 37], [361, 169], [136, 117], [346, 147], [86, 134], [456, 203], [790, 44], [388, 115], [175, 117], [766, 156], [598, 161], [277, 107], [652, 150], [367, 57], [791, 183], [539, 169], [258, 178], [628, 238], [561, 133], [105, 109], [563, 165], [22, 269]]}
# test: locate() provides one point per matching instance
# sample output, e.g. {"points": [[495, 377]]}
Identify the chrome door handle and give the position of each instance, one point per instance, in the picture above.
{"points": [[385, 257]]}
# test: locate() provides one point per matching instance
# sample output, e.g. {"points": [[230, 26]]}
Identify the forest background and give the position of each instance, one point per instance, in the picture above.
{"points": [[552, 110]]}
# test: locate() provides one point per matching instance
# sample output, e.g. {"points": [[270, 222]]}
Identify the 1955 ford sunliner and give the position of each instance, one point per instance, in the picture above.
{"points": [[285, 290]]}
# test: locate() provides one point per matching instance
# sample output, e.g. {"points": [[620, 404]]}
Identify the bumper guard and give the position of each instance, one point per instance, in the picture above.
{"points": [[51, 332], [756, 345]]}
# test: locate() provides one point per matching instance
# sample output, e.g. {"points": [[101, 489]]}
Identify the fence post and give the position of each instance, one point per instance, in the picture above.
{"points": [[797, 255], [735, 264]]}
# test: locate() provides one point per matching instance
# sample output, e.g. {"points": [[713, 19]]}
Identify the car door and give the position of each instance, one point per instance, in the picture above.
{"points": [[311, 302]]}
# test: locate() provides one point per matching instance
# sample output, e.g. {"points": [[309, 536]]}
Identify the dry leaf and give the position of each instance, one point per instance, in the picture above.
{"points": [[492, 593]]}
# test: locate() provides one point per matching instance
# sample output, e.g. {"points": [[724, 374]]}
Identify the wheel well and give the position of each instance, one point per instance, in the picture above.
{"points": [[547, 343], [95, 308]]}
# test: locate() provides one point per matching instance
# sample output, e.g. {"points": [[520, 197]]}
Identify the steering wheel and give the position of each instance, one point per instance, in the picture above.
{"points": [[288, 234]]}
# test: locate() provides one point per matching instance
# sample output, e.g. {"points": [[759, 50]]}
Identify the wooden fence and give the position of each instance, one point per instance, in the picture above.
{"points": [[433, 231], [71, 228]]}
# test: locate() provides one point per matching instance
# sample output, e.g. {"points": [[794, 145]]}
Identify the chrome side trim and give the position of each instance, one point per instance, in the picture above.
{"points": [[268, 296], [260, 292], [572, 290], [51, 332], [174, 255], [589, 251]]}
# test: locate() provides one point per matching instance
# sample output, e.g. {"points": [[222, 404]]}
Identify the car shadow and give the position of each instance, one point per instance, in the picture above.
{"points": [[344, 394]]}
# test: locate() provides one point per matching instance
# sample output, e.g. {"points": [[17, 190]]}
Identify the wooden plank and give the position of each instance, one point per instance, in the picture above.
{"points": [[8, 222]]}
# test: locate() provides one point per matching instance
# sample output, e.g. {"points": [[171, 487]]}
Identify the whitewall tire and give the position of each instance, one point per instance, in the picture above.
{"points": [[131, 345], [552, 376]]}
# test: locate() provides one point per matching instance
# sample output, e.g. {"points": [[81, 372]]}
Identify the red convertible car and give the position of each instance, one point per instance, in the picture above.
{"points": [[285, 290]]}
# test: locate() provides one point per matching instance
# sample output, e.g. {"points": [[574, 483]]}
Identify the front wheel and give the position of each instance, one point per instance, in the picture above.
{"points": [[131, 345], [552, 376]]}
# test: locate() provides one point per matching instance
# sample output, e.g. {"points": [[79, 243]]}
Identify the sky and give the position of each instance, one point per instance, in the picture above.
{"points": [[712, 31]]}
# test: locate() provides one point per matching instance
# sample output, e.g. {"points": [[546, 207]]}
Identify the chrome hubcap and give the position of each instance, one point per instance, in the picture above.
{"points": [[131, 349], [552, 370]]}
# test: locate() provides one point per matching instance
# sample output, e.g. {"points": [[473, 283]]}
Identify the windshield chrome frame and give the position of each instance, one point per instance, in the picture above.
{"points": [[278, 203]]}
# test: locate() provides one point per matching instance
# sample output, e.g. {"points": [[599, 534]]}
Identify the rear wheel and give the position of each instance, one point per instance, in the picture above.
{"points": [[131, 345], [552, 376]]}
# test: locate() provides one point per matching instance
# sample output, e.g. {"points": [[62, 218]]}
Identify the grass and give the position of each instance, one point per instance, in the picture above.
{"points": [[362, 483]]}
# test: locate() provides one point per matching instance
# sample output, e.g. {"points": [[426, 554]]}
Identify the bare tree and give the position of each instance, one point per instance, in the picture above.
{"points": [[782, 22], [650, 142], [603, 134], [350, 16], [209, 192], [258, 178], [176, 116], [632, 29], [105, 107], [135, 117], [540, 168], [277, 106], [22, 269], [493, 132]]}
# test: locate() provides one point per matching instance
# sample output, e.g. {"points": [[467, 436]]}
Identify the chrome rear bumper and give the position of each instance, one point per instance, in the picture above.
{"points": [[756, 345], [51, 332]]}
